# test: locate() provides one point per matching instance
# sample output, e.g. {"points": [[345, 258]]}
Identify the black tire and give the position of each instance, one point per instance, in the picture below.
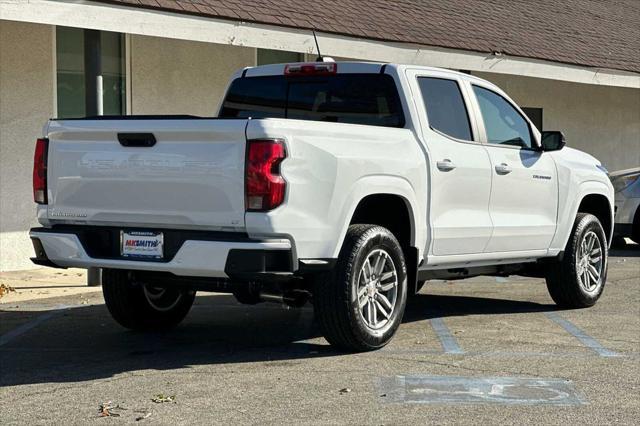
{"points": [[140, 306], [336, 300], [564, 277]]}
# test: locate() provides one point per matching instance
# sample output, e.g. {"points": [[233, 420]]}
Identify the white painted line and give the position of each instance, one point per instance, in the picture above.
{"points": [[7, 337], [448, 342], [586, 340], [41, 307]]}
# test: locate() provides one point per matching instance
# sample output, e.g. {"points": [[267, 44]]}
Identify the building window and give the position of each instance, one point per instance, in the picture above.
{"points": [[90, 73], [535, 115], [267, 56]]}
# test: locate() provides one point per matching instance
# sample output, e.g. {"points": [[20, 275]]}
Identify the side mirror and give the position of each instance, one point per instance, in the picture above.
{"points": [[553, 141]]}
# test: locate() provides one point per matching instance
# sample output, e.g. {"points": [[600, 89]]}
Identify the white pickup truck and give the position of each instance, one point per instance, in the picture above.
{"points": [[348, 184]]}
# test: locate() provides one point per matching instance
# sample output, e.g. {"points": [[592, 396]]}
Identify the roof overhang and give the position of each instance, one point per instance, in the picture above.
{"points": [[131, 20]]}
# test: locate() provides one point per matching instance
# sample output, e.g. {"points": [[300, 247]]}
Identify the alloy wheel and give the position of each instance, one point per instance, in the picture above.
{"points": [[589, 262], [377, 289]]}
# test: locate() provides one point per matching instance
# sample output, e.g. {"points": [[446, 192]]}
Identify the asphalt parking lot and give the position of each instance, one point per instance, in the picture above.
{"points": [[479, 351]]}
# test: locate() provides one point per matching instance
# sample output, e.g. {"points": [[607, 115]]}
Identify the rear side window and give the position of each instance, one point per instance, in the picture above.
{"points": [[445, 107], [370, 99]]}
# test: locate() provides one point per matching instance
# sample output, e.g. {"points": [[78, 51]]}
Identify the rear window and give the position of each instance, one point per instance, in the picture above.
{"points": [[370, 99]]}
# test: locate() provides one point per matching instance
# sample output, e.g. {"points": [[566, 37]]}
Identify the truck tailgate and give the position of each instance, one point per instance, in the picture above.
{"points": [[192, 177]]}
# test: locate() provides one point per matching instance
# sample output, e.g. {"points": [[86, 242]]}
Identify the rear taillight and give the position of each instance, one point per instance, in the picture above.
{"points": [[314, 68], [264, 188], [40, 171]]}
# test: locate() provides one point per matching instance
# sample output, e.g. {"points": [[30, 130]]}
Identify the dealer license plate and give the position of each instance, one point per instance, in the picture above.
{"points": [[141, 244]]}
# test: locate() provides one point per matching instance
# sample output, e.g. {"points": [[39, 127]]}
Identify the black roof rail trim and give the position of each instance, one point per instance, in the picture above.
{"points": [[143, 117]]}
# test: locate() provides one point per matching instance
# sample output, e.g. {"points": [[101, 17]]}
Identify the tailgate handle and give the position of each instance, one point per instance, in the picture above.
{"points": [[141, 140]]}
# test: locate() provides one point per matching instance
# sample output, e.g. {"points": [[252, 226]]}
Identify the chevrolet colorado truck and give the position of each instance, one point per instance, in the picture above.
{"points": [[347, 184]]}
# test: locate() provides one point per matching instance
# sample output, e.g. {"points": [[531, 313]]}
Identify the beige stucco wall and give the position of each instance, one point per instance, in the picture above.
{"points": [[26, 103], [603, 121], [182, 77]]}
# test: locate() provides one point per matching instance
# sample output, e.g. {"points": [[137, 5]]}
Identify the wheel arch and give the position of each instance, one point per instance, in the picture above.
{"points": [[599, 206], [593, 197], [395, 188], [389, 202]]}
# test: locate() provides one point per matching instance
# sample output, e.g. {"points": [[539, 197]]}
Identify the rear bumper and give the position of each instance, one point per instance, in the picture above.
{"points": [[202, 256]]}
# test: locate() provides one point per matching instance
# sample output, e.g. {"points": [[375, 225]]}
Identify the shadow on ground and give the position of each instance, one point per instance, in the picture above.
{"points": [[626, 250], [84, 343]]}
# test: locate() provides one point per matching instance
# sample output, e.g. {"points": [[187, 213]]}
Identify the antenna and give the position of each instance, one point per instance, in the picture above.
{"points": [[319, 58]]}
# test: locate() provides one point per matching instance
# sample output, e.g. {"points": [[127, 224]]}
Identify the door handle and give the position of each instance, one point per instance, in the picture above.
{"points": [[503, 169], [445, 165], [140, 140]]}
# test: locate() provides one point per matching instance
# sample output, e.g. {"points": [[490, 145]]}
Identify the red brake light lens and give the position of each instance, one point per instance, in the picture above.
{"points": [[265, 188], [40, 171], [314, 68]]}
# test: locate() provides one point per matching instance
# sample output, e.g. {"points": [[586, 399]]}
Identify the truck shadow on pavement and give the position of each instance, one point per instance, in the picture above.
{"points": [[628, 250], [83, 343]]}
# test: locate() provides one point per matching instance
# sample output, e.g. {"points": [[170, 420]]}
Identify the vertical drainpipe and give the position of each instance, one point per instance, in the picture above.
{"points": [[94, 103], [93, 72]]}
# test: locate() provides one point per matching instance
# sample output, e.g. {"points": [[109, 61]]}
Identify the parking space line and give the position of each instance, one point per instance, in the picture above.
{"points": [[586, 340], [7, 337], [448, 342]]}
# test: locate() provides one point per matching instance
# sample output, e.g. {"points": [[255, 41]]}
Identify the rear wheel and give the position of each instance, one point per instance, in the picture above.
{"points": [[143, 306], [361, 303], [577, 281]]}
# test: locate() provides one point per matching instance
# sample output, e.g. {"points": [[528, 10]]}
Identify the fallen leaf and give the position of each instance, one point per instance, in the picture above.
{"points": [[106, 409], [345, 390], [160, 398], [5, 289]]}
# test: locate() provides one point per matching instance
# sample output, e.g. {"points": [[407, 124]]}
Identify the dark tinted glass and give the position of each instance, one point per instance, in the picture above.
{"points": [[257, 97], [344, 98], [445, 107], [503, 123], [535, 115]]}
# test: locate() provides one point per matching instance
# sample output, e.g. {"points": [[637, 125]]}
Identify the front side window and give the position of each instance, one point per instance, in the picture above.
{"points": [[370, 99], [445, 107], [90, 73], [503, 123]]}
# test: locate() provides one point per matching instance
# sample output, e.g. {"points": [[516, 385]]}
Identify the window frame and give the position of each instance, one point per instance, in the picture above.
{"points": [[465, 103], [412, 75], [483, 130]]}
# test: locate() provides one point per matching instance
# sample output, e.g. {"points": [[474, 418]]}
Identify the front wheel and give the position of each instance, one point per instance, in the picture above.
{"points": [[577, 281], [361, 303], [142, 306]]}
